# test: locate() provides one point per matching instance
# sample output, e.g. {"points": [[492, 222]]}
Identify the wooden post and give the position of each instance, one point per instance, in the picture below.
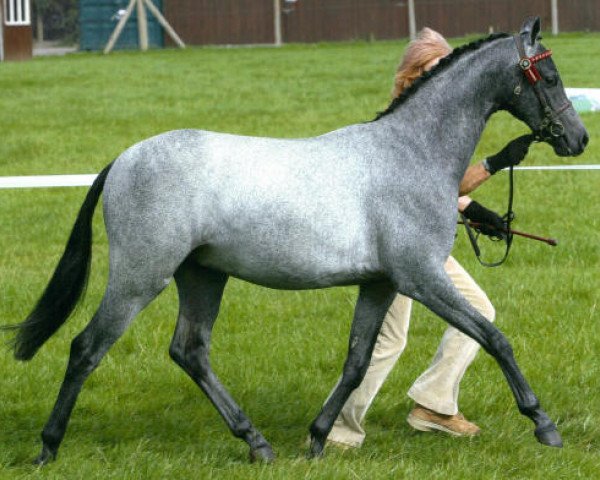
{"points": [[119, 28], [156, 12], [142, 26], [554, 8], [412, 23], [1, 31], [277, 22], [39, 24]]}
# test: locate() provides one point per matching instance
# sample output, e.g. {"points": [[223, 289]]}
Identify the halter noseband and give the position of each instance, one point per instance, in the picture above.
{"points": [[550, 127]]}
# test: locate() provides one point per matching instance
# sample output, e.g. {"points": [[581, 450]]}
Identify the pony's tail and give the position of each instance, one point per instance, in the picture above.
{"points": [[67, 283]]}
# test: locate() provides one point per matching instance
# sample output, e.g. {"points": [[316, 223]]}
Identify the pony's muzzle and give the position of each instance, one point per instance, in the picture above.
{"points": [[584, 140]]}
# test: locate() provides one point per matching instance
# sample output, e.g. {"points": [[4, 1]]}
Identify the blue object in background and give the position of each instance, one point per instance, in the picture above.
{"points": [[98, 19], [584, 99]]}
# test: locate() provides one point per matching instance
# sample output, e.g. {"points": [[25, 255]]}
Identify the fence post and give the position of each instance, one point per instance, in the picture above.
{"points": [[554, 8], [277, 22], [1, 32], [142, 26], [412, 24], [119, 28]]}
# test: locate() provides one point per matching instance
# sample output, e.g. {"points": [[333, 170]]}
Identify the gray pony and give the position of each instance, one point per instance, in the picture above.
{"points": [[371, 204]]}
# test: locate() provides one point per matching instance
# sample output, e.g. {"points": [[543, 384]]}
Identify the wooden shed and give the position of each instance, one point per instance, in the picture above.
{"points": [[16, 36], [98, 19]]}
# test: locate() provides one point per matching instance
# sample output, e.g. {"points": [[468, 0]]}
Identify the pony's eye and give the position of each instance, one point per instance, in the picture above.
{"points": [[552, 80]]}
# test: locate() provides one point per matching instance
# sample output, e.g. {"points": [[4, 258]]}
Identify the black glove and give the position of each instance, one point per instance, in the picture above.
{"points": [[511, 154], [489, 222]]}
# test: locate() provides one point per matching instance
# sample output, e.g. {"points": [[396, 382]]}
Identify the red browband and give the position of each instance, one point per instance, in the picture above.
{"points": [[541, 56], [528, 67]]}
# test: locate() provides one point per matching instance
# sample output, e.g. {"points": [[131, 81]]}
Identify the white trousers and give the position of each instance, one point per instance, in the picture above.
{"points": [[437, 387]]}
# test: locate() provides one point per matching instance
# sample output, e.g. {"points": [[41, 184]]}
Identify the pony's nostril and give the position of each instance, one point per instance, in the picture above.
{"points": [[586, 139]]}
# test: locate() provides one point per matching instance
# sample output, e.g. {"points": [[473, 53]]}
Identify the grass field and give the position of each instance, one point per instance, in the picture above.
{"points": [[280, 353]]}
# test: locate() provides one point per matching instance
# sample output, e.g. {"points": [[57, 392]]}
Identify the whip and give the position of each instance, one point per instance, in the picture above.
{"points": [[550, 241]]}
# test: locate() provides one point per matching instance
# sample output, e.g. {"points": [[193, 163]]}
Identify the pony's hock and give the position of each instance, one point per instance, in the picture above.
{"points": [[372, 204]]}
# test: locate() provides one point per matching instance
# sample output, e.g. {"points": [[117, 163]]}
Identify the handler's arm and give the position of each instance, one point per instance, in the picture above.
{"points": [[463, 202], [512, 154], [474, 176], [488, 222]]}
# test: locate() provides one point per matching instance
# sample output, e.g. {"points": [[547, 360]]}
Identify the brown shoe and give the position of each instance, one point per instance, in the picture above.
{"points": [[425, 420]]}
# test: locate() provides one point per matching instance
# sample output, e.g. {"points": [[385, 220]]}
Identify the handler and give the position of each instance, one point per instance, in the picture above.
{"points": [[435, 392]]}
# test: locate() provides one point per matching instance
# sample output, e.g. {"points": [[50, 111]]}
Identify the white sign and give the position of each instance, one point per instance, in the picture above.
{"points": [[584, 99]]}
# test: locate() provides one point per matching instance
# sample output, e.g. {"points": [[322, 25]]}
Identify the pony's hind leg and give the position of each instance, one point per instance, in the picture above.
{"points": [[200, 292], [440, 296], [87, 350], [136, 277]]}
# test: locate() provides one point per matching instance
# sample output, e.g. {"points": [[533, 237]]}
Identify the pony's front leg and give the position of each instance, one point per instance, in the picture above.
{"points": [[440, 296], [374, 300]]}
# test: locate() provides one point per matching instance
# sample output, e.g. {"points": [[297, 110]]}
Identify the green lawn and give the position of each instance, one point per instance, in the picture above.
{"points": [[279, 353]]}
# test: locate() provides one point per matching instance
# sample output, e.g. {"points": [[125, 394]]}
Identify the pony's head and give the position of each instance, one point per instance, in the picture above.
{"points": [[539, 98]]}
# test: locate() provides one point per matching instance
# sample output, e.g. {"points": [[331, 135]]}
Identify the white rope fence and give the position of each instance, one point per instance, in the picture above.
{"points": [[48, 181], [561, 167], [40, 181], [584, 100]]}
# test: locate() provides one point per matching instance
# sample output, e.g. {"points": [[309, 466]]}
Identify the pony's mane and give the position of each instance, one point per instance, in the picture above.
{"points": [[441, 66]]}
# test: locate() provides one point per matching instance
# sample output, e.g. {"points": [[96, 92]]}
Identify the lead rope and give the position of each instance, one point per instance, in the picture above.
{"points": [[508, 218]]}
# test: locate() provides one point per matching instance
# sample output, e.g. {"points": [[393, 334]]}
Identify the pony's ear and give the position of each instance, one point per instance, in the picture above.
{"points": [[530, 31]]}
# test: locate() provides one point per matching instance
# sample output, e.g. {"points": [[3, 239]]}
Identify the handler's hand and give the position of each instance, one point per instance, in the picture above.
{"points": [[512, 154], [489, 222]]}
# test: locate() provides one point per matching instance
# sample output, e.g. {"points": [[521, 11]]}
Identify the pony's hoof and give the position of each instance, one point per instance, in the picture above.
{"points": [[262, 454], [316, 448], [46, 456], [549, 436]]}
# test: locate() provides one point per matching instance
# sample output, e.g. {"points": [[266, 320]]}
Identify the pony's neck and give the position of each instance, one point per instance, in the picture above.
{"points": [[454, 105]]}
